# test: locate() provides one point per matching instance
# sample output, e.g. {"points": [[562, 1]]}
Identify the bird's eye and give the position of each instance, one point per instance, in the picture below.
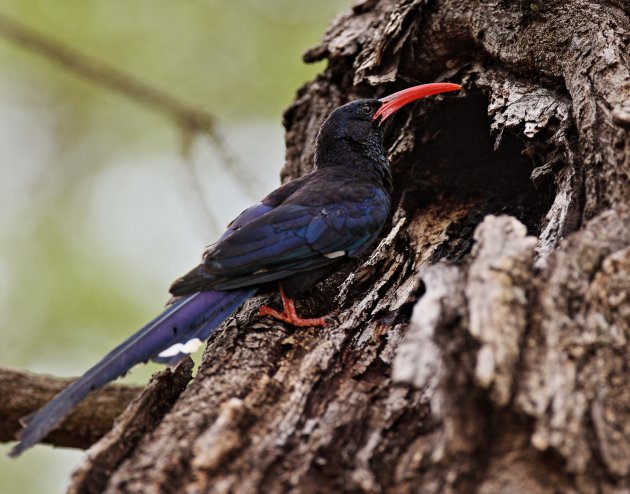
{"points": [[367, 109]]}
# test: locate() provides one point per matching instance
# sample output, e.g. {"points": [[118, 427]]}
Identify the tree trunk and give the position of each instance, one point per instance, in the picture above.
{"points": [[483, 346]]}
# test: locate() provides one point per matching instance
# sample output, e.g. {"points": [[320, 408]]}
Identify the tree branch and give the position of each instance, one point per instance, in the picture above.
{"points": [[190, 120], [187, 117], [23, 393]]}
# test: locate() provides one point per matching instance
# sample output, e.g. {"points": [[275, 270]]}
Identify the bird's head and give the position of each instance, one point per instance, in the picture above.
{"points": [[353, 133]]}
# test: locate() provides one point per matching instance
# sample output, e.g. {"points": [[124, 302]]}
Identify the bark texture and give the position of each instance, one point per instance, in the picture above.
{"points": [[483, 346]]}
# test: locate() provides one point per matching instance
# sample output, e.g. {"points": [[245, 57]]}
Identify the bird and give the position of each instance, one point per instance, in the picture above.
{"points": [[295, 236]]}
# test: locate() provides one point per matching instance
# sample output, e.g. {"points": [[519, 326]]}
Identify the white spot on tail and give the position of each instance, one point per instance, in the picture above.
{"points": [[191, 346], [334, 255]]}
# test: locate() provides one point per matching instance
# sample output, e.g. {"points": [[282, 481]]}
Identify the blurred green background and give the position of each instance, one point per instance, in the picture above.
{"points": [[98, 213]]}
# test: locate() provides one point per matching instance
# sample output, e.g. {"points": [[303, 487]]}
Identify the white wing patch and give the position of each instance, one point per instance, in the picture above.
{"points": [[191, 346], [334, 255]]}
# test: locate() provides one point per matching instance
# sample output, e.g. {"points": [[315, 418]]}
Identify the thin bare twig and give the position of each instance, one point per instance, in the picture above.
{"points": [[189, 119], [109, 77]]}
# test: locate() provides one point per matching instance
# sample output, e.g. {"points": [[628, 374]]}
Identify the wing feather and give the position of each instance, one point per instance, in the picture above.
{"points": [[267, 243]]}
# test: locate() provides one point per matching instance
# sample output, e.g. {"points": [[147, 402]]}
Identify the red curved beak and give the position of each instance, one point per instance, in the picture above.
{"points": [[394, 102]]}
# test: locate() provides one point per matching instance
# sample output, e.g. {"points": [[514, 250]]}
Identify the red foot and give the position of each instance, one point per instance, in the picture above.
{"points": [[289, 315]]}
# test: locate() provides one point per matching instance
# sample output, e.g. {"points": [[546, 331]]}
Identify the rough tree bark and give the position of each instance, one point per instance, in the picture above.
{"points": [[483, 346]]}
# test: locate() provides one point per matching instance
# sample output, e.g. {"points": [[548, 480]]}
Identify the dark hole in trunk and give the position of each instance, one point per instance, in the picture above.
{"points": [[454, 164]]}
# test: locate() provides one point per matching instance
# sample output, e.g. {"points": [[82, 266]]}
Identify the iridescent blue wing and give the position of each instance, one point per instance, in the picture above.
{"points": [[296, 236]]}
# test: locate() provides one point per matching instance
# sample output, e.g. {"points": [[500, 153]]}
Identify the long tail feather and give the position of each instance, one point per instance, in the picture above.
{"points": [[192, 317]]}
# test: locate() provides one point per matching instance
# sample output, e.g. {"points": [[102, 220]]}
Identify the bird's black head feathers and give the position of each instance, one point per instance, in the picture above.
{"points": [[351, 137]]}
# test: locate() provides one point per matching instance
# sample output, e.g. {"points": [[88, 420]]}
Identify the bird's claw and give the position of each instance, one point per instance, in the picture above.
{"points": [[289, 314], [291, 317]]}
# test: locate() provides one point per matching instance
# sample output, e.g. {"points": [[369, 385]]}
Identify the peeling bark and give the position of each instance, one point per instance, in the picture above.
{"points": [[483, 345], [139, 419]]}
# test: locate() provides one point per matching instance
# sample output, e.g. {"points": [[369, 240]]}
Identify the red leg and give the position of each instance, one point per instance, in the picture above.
{"points": [[289, 315]]}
